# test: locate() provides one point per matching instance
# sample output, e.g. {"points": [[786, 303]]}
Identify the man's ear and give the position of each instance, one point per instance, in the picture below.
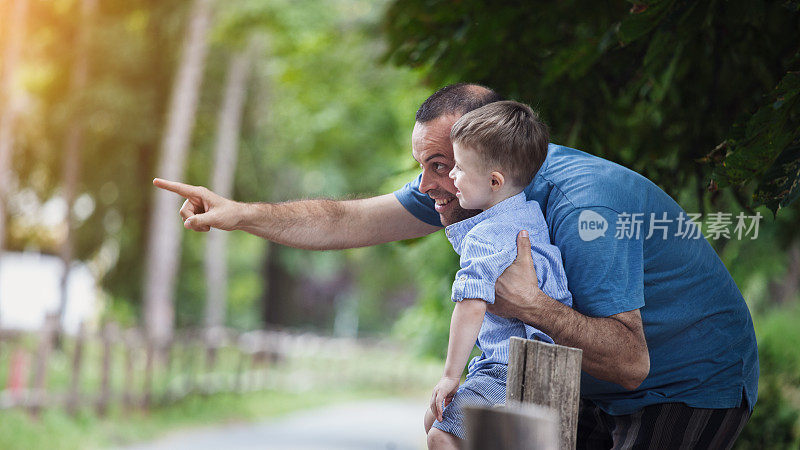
{"points": [[498, 180]]}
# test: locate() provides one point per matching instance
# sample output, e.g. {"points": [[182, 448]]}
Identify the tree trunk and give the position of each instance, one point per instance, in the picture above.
{"points": [[72, 151], [226, 149], [785, 289], [18, 11], [279, 287], [163, 249]]}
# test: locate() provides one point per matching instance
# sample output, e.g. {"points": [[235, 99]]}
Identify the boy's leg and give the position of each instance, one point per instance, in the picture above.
{"points": [[442, 440], [429, 418]]}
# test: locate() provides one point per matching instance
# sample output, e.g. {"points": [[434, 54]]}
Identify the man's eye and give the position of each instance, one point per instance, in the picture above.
{"points": [[438, 166]]}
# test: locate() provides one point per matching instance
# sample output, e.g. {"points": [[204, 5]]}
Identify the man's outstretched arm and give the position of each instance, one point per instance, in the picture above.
{"points": [[614, 347], [308, 224]]}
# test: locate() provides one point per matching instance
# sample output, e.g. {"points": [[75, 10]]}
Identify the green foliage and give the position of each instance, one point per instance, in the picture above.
{"points": [[426, 325], [655, 87], [775, 423], [767, 148]]}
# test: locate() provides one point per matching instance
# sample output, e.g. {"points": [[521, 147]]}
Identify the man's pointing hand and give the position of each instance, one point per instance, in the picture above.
{"points": [[202, 209]]}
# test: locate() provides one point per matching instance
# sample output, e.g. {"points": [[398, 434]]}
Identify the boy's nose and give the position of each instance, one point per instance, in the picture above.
{"points": [[452, 173]]}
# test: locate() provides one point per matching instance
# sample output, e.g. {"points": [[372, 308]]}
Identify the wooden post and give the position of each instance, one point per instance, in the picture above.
{"points": [[547, 375], [248, 345], [130, 343], [73, 400], [169, 369], [39, 393], [17, 383], [189, 349], [150, 348], [213, 339], [108, 334], [512, 427]]}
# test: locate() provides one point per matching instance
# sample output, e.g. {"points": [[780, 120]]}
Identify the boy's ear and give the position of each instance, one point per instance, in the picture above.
{"points": [[498, 180]]}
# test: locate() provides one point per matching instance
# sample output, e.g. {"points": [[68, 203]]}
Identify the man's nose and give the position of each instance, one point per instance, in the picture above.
{"points": [[426, 183]]}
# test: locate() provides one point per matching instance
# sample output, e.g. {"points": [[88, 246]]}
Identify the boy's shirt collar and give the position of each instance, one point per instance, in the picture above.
{"points": [[457, 231]]}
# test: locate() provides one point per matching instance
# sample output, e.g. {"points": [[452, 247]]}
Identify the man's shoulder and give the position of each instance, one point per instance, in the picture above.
{"points": [[575, 180]]}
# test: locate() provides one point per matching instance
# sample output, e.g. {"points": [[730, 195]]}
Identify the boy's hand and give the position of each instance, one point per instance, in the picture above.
{"points": [[443, 394], [202, 209]]}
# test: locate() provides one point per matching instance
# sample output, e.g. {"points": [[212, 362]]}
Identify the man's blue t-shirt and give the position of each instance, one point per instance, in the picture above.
{"points": [[626, 245]]}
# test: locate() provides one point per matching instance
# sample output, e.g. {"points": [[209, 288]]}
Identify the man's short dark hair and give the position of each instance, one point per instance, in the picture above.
{"points": [[456, 99], [507, 135]]}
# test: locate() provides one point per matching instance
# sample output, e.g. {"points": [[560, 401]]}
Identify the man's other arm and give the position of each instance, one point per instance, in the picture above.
{"points": [[309, 224], [614, 347]]}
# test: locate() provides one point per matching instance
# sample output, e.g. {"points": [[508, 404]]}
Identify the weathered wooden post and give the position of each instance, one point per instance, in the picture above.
{"points": [[213, 338], [150, 357], [73, 400], [17, 383], [39, 392], [130, 341], [108, 335], [547, 375], [189, 364], [515, 426], [169, 370], [248, 346]]}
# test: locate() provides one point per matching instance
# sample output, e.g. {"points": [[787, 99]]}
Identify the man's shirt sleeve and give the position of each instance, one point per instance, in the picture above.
{"points": [[481, 265], [417, 203], [603, 260]]}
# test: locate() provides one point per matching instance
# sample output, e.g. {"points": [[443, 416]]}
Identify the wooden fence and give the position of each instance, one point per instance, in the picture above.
{"points": [[194, 362]]}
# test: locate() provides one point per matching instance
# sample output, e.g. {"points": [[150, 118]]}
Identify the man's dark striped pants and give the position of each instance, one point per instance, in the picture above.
{"points": [[664, 426]]}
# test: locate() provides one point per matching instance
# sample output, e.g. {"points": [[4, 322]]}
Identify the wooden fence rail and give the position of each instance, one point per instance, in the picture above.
{"points": [[190, 363], [515, 426]]}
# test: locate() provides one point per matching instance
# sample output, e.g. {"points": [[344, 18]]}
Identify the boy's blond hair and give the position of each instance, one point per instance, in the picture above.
{"points": [[508, 135]]}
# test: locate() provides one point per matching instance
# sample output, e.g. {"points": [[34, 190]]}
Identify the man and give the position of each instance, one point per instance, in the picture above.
{"points": [[669, 352]]}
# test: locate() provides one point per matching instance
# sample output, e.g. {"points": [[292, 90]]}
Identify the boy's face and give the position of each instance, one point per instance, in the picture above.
{"points": [[472, 179]]}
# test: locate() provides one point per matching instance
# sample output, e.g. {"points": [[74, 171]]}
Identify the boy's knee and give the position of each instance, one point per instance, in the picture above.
{"points": [[441, 440], [428, 421]]}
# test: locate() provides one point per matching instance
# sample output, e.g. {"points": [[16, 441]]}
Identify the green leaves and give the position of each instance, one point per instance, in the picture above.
{"points": [[766, 148], [654, 85], [780, 185], [644, 17]]}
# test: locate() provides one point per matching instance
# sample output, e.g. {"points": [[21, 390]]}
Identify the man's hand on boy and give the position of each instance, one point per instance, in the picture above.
{"points": [[443, 394], [517, 288], [202, 209]]}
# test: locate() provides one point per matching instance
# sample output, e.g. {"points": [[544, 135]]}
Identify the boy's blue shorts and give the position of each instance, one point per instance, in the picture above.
{"points": [[484, 387]]}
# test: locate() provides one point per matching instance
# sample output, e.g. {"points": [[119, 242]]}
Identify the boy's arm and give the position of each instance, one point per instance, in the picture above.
{"points": [[308, 224], [465, 325]]}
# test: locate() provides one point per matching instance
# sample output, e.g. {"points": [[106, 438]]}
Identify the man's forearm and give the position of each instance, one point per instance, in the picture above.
{"points": [[329, 224], [614, 348], [308, 224]]}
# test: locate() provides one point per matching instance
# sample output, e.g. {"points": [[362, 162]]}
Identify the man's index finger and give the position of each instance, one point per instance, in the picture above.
{"points": [[181, 189]]}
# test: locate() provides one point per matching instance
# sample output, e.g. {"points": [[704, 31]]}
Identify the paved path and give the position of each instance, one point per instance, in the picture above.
{"points": [[373, 424]]}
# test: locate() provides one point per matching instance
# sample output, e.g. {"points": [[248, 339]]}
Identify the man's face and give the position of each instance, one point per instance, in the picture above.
{"points": [[431, 147]]}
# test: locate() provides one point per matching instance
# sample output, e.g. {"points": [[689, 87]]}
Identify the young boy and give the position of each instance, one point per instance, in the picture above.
{"points": [[498, 149]]}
